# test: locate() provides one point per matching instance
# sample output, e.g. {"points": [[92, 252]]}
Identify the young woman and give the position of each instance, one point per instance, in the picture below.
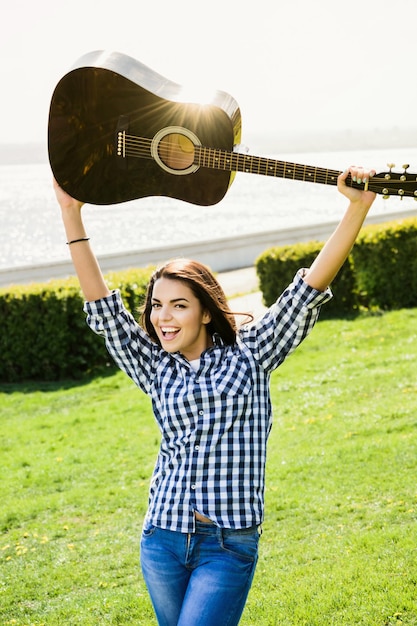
{"points": [[209, 384]]}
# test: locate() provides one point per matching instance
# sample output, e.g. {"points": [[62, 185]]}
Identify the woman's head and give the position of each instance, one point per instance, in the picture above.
{"points": [[200, 280]]}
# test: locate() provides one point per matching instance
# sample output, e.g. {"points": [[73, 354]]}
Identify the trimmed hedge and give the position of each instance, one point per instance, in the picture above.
{"points": [[44, 335], [385, 262], [379, 273], [277, 267]]}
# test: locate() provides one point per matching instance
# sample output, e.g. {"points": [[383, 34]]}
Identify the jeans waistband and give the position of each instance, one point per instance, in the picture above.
{"points": [[203, 528]]}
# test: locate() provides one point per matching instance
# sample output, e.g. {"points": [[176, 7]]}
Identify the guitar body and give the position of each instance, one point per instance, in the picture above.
{"points": [[108, 95]]}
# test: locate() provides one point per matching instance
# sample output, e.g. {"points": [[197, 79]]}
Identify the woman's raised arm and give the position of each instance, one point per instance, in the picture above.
{"points": [[85, 263], [334, 253]]}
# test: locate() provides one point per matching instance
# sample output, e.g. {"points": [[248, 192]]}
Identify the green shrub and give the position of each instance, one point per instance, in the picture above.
{"points": [[277, 267], [381, 271], [44, 335], [385, 264]]}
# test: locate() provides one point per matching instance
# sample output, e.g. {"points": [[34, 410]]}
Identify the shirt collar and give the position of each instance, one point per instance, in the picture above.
{"points": [[217, 343]]}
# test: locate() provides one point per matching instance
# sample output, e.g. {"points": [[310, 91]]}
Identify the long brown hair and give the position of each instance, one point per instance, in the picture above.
{"points": [[200, 279]]}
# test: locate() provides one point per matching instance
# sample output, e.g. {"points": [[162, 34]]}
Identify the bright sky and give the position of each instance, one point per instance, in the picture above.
{"points": [[290, 64]]}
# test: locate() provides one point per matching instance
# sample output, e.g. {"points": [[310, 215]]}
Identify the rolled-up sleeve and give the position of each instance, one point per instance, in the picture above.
{"points": [[126, 341], [286, 323]]}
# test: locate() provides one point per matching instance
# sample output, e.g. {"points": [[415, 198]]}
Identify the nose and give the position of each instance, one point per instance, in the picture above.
{"points": [[165, 313]]}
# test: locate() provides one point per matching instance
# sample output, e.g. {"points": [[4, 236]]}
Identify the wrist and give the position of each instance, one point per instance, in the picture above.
{"points": [[359, 207], [78, 240], [73, 223], [71, 212]]}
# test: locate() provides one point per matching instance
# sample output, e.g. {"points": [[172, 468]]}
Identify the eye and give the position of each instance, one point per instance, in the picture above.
{"points": [[155, 305], [180, 306]]}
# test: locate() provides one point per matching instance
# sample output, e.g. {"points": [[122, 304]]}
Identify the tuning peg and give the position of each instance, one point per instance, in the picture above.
{"points": [[403, 177], [388, 176]]}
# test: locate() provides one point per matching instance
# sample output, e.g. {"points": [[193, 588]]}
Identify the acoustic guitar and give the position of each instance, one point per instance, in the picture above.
{"points": [[118, 131]]}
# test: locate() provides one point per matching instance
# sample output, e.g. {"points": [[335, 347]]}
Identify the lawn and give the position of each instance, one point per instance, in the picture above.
{"points": [[339, 540]]}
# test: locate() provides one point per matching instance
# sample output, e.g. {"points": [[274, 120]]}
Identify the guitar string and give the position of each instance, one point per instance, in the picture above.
{"points": [[140, 147]]}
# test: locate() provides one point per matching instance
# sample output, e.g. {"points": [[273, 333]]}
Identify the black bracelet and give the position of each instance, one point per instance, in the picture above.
{"points": [[77, 240]]}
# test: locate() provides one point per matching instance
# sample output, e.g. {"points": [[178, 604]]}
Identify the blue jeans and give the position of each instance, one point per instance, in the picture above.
{"points": [[201, 578]]}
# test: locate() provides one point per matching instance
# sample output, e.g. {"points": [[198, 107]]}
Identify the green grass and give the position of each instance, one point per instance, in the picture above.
{"points": [[339, 543]]}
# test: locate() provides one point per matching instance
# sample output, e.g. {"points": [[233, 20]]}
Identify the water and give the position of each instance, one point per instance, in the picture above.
{"points": [[32, 232]]}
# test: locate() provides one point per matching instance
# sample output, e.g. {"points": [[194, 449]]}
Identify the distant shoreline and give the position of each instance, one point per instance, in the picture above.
{"points": [[261, 143], [337, 141]]}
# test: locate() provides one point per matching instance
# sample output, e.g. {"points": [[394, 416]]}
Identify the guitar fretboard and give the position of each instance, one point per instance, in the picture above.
{"points": [[238, 162]]}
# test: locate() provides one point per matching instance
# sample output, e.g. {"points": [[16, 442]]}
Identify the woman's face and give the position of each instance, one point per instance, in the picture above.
{"points": [[179, 319]]}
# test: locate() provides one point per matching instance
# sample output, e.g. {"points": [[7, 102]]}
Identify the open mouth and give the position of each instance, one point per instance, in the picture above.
{"points": [[169, 332]]}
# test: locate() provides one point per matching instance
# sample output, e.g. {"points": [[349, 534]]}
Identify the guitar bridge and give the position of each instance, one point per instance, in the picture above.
{"points": [[121, 128]]}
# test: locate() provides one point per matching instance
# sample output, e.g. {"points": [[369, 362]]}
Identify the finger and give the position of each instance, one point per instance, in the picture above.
{"points": [[344, 175], [359, 174]]}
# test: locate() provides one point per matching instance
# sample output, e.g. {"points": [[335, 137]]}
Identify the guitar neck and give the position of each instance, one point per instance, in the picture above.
{"points": [[175, 160], [240, 162]]}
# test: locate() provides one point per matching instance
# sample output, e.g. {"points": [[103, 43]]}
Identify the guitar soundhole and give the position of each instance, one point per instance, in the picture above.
{"points": [[176, 151], [173, 148]]}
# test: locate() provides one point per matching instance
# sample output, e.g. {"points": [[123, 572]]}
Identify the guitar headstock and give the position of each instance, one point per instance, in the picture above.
{"points": [[400, 184]]}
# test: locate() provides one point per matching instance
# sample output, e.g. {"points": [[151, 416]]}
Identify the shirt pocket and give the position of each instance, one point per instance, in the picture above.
{"points": [[234, 378]]}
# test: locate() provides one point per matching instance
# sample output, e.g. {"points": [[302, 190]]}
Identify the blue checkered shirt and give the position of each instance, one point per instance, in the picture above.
{"points": [[214, 421]]}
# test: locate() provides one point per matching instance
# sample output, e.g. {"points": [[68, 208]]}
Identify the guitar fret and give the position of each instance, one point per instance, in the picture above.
{"points": [[270, 168], [208, 152], [207, 157], [214, 159], [248, 159]]}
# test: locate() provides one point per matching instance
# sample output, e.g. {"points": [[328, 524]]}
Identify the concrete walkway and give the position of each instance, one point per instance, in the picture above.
{"points": [[238, 282], [224, 255], [242, 289]]}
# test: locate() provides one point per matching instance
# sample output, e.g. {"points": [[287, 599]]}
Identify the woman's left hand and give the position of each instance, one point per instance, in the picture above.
{"points": [[358, 175]]}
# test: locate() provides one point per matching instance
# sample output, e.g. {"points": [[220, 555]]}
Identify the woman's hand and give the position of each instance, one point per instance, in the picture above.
{"points": [[71, 213], [358, 175], [65, 201]]}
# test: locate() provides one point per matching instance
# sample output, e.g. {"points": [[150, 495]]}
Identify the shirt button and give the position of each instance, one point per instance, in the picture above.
{"points": [[197, 447], [201, 412], [192, 486]]}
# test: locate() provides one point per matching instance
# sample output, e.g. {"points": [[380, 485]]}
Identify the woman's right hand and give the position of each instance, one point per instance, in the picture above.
{"points": [[65, 201]]}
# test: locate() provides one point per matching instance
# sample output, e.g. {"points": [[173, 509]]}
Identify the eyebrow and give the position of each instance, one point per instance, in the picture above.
{"points": [[171, 301]]}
